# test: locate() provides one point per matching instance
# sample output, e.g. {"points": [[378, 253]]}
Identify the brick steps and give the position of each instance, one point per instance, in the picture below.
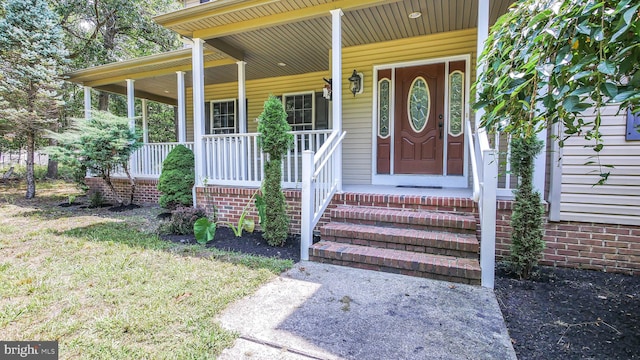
{"points": [[397, 261], [421, 241], [410, 241], [423, 220]]}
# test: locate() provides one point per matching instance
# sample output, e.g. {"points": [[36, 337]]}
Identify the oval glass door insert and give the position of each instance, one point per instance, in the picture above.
{"points": [[418, 104]]}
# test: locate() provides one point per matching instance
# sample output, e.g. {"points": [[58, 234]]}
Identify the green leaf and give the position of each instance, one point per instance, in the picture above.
{"points": [[610, 89], [623, 96], [607, 67], [204, 230], [570, 103]]}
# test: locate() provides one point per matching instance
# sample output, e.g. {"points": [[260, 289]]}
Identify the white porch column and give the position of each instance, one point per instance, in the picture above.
{"points": [[540, 165], [145, 118], [182, 107], [87, 102], [482, 35], [198, 109], [555, 176], [242, 98], [131, 114], [336, 86]]}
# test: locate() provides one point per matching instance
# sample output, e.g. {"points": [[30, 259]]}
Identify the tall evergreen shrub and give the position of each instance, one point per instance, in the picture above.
{"points": [[527, 217], [177, 178], [274, 140]]}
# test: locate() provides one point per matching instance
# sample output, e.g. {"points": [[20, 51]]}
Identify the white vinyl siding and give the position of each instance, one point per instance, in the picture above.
{"points": [[617, 201]]}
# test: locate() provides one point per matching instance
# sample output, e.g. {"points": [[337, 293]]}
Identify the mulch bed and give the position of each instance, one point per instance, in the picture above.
{"points": [[572, 314], [248, 243]]}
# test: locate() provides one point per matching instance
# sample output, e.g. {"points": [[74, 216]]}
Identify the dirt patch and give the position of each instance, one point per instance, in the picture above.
{"points": [[248, 243], [572, 314]]}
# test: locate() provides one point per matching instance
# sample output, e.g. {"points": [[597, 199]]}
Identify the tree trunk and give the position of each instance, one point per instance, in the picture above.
{"points": [[31, 180], [103, 101]]}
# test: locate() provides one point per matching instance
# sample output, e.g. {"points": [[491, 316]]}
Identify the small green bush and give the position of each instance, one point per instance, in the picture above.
{"points": [[527, 241], [96, 199], [177, 178], [183, 219], [274, 139]]}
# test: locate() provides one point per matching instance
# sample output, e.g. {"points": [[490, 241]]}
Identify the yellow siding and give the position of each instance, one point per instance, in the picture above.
{"points": [[357, 112], [615, 202], [257, 92]]}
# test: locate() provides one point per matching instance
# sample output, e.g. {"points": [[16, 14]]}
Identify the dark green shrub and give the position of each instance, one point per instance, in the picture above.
{"points": [[183, 219], [177, 178], [96, 199], [274, 140], [527, 217]]}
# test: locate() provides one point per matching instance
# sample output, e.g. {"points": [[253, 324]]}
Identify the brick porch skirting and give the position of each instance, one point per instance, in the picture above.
{"points": [[146, 189], [584, 245]]}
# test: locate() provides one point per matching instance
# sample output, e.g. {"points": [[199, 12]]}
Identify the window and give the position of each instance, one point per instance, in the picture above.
{"points": [[222, 117], [418, 105], [300, 110], [633, 125], [383, 108], [456, 102]]}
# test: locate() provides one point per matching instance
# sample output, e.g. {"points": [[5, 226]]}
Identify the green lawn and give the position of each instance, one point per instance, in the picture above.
{"points": [[106, 287]]}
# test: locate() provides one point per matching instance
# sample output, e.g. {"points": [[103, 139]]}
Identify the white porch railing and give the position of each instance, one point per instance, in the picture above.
{"points": [[484, 164], [148, 159], [319, 183], [236, 159]]}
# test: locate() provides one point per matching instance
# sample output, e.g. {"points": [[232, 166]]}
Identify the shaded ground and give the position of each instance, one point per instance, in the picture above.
{"points": [[249, 243], [572, 314]]}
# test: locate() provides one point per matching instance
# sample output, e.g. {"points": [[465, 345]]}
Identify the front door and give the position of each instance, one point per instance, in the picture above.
{"points": [[419, 119]]}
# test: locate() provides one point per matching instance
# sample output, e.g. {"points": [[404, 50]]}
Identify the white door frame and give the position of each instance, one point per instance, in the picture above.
{"points": [[451, 181]]}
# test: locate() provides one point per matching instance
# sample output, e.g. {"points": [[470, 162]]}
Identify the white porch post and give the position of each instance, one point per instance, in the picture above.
{"points": [[336, 87], [482, 35], [182, 122], [242, 98], [489, 173], [87, 102], [145, 118], [131, 114], [555, 177], [198, 109], [539, 164]]}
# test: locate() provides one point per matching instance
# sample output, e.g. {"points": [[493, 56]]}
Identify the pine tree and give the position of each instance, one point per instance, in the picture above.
{"points": [[32, 57]]}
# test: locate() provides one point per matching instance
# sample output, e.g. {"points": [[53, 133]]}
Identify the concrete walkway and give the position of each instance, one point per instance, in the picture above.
{"points": [[318, 311]]}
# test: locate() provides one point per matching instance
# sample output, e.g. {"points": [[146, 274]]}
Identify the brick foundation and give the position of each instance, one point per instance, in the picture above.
{"points": [[146, 189], [584, 245], [605, 247]]}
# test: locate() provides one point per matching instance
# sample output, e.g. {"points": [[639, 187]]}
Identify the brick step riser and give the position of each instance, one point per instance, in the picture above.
{"points": [[401, 268], [453, 228], [447, 248], [397, 206]]}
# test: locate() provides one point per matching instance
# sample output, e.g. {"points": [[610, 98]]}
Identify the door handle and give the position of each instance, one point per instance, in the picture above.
{"points": [[440, 125]]}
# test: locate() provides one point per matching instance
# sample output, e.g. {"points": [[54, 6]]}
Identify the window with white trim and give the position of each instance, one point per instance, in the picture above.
{"points": [[222, 119], [300, 110]]}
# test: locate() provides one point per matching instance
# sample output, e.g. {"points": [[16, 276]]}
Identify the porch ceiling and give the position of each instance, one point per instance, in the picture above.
{"points": [[268, 32]]}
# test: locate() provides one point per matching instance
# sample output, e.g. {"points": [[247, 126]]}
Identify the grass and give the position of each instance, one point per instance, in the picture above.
{"points": [[107, 290]]}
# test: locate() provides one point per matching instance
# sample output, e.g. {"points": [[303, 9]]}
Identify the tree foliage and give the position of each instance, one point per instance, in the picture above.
{"points": [[100, 145], [32, 58], [177, 178], [549, 61], [274, 139]]}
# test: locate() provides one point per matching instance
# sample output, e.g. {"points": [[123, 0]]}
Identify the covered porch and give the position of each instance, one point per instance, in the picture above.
{"points": [[355, 78]]}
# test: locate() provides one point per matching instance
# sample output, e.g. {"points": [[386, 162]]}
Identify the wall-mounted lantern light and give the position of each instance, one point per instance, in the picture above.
{"points": [[356, 82]]}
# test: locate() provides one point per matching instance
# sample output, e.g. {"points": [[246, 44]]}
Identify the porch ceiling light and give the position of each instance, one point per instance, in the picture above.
{"points": [[415, 15], [281, 64], [355, 83]]}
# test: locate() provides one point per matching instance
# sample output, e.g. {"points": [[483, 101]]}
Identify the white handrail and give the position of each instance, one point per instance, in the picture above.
{"points": [[474, 162], [319, 184]]}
